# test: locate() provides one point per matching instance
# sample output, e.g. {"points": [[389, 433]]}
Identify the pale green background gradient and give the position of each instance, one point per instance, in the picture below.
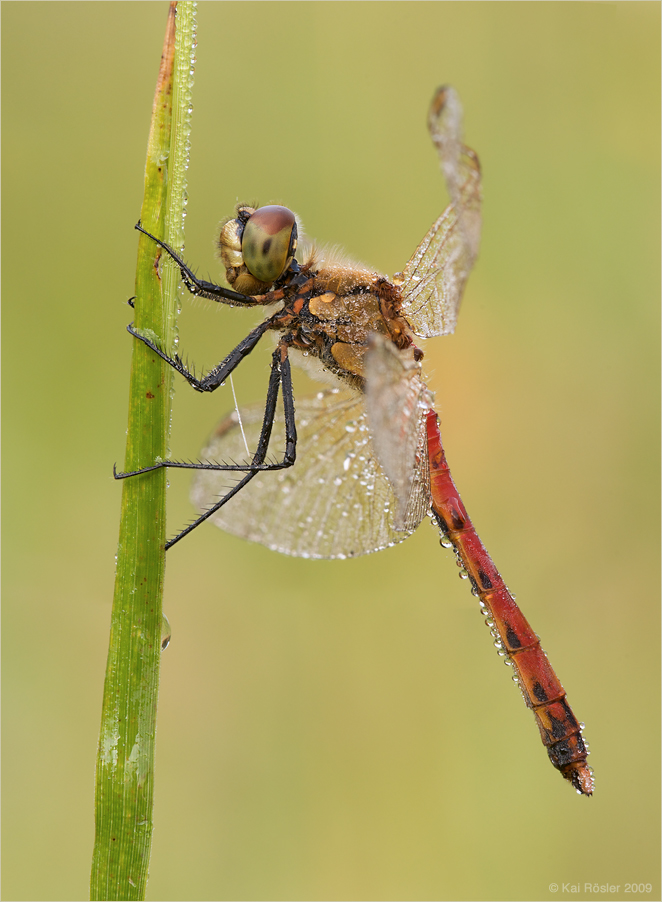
{"points": [[344, 730]]}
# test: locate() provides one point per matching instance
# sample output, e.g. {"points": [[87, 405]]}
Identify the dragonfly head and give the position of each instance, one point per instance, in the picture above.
{"points": [[257, 247]]}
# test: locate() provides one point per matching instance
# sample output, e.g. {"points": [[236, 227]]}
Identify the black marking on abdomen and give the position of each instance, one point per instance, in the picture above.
{"points": [[512, 637], [569, 716], [485, 581], [457, 519], [558, 728]]}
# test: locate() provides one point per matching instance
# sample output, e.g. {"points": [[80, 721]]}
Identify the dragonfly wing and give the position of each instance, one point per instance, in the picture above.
{"points": [[435, 276], [335, 502], [397, 402]]}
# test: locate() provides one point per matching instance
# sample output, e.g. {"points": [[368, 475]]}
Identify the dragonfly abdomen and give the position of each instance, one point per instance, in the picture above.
{"points": [[542, 690]]}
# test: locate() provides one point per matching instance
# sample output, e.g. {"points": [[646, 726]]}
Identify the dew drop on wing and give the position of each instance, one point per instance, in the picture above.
{"points": [[329, 452]]}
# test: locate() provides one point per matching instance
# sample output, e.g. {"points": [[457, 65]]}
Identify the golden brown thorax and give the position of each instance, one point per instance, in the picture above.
{"points": [[330, 307], [332, 315]]}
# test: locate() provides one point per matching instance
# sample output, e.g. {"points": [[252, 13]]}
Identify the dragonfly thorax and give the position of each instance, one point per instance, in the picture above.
{"points": [[333, 313]]}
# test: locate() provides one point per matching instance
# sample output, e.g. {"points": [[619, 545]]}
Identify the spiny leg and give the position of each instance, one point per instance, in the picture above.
{"points": [[280, 368], [220, 373], [280, 375], [200, 287]]}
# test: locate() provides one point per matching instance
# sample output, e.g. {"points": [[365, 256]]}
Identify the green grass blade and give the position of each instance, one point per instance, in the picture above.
{"points": [[125, 762]]}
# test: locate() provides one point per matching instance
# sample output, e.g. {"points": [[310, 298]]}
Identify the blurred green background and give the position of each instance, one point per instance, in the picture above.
{"points": [[344, 729]]}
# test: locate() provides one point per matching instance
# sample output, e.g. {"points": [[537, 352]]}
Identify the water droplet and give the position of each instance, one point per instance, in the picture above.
{"points": [[463, 574], [166, 632], [445, 542]]}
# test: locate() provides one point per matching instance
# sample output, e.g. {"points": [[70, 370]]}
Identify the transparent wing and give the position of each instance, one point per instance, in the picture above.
{"points": [[335, 502], [435, 276], [397, 401]]}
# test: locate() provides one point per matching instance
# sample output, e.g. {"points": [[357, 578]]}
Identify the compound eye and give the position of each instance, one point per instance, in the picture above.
{"points": [[269, 242]]}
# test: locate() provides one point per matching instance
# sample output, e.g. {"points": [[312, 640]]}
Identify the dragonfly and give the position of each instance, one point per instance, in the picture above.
{"points": [[363, 462]]}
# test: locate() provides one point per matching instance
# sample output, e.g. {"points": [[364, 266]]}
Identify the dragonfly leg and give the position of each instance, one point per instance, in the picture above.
{"points": [[220, 373], [199, 287], [280, 376]]}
